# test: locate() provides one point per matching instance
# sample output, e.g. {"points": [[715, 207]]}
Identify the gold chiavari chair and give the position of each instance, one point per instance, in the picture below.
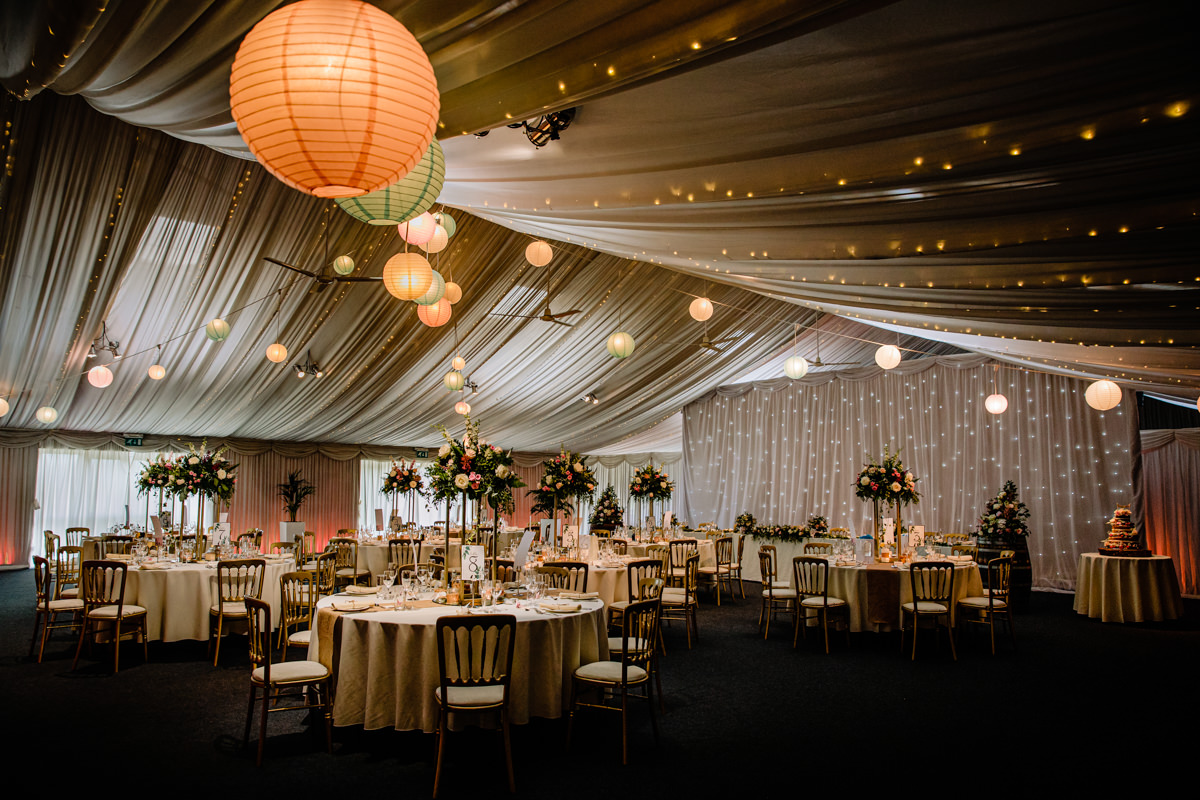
{"points": [[326, 573], [570, 576], [682, 602], [401, 548], [237, 580], [723, 571], [735, 569], [307, 555], [66, 571], [994, 605], [102, 589], [75, 536], [932, 596], [636, 573], [115, 544], [346, 549], [812, 587], [51, 542], [48, 608], [308, 680], [817, 548], [475, 658], [620, 546], [254, 536], [776, 595], [679, 550], [298, 596], [965, 550]]}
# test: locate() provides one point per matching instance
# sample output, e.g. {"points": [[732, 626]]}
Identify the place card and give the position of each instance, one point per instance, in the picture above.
{"points": [[473, 562]]}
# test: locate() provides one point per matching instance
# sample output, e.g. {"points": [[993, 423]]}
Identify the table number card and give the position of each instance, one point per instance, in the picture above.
{"points": [[473, 557], [916, 536], [570, 536], [220, 533]]}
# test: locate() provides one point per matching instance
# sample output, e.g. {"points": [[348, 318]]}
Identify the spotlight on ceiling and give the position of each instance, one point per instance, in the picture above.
{"points": [[544, 129], [309, 367], [102, 342], [591, 398]]}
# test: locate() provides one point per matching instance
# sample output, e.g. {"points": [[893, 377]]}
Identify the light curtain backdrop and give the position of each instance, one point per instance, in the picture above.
{"points": [[787, 450]]}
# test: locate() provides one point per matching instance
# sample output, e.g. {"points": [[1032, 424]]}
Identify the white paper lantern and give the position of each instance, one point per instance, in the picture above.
{"points": [[462, 407], [437, 243], [453, 292], [620, 345], [538, 253], [3, 406], [454, 380], [436, 315], [407, 276], [436, 291], [996, 404], [418, 231], [100, 376], [701, 309], [459, 363], [343, 265], [46, 415], [887, 356], [217, 330], [796, 367], [1103, 395], [157, 372], [276, 353]]}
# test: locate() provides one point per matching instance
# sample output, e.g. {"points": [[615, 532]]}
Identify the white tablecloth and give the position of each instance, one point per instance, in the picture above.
{"points": [[387, 667], [1118, 589], [707, 550], [177, 600], [373, 556]]}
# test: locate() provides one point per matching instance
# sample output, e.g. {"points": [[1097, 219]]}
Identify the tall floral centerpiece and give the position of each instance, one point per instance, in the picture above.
{"points": [[154, 477], [607, 512], [565, 478], [501, 478], [886, 484], [651, 483], [472, 469], [1004, 516], [404, 480], [206, 473]]}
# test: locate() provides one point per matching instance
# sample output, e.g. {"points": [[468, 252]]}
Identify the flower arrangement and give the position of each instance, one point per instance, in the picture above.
{"points": [[817, 527], [783, 533], [608, 509], [745, 522], [403, 478], [155, 475], [651, 483], [473, 467], [565, 478], [888, 482], [202, 472], [1004, 516]]}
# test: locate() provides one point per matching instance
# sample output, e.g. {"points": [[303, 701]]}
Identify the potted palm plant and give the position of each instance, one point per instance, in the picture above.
{"points": [[294, 491]]}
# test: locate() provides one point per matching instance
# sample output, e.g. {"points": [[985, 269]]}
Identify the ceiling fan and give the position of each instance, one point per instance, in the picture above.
{"points": [[323, 280], [547, 315], [817, 362], [709, 344]]}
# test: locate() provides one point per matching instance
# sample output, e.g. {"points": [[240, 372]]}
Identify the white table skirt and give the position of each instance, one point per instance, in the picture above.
{"points": [[1118, 589], [388, 664], [177, 600], [373, 556], [707, 550]]}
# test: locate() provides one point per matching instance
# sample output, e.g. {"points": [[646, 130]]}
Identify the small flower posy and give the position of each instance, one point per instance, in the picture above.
{"points": [[1005, 515]]}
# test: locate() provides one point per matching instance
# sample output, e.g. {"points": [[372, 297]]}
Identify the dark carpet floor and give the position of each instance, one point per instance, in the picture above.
{"points": [[1077, 698]]}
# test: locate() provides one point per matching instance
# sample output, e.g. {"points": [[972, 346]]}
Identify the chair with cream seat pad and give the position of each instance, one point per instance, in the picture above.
{"points": [[932, 598], [102, 589], [994, 604], [346, 548], [811, 575], [776, 595], [68, 560], [48, 608], [635, 573], [682, 602], [722, 571], [571, 576], [818, 549], [298, 598], [237, 580], [475, 657], [306, 679]]}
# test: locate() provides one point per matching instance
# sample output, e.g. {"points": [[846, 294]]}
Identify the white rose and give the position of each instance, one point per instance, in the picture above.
{"points": [[908, 476], [895, 487], [558, 485], [469, 452], [864, 481], [502, 472], [444, 451], [193, 460], [221, 474], [462, 481], [578, 467], [637, 480], [996, 506], [663, 484]]}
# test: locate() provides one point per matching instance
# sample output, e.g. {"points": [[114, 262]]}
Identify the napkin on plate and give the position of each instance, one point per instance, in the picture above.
{"points": [[156, 565], [361, 590], [351, 605], [579, 595], [560, 606]]}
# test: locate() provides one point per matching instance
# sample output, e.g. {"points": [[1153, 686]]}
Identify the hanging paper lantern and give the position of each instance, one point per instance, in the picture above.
{"points": [[701, 309], [217, 330], [446, 221], [453, 292], [418, 230], [1103, 395], [436, 291], [996, 404], [334, 97], [459, 363], [1197, 405], [538, 253], [795, 367], [462, 407], [454, 381], [620, 345], [436, 315], [3, 406], [407, 276], [437, 243], [887, 356], [157, 372], [46, 415], [100, 376], [405, 199], [343, 265], [276, 353]]}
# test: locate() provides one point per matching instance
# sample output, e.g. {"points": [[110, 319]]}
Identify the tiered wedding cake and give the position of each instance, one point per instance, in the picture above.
{"points": [[1123, 538]]}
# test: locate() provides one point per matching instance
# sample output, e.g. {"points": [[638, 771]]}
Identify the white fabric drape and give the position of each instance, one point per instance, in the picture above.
{"points": [[788, 450], [1171, 476]]}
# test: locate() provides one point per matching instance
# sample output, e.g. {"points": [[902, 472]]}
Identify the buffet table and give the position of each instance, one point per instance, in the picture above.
{"points": [[1117, 589], [385, 663]]}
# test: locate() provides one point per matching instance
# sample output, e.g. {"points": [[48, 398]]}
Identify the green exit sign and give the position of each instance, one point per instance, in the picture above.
{"points": [[422, 453], [133, 441]]}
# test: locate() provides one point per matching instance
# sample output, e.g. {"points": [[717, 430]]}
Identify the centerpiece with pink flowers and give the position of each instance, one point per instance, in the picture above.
{"points": [[475, 470], [886, 484], [566, 479], [404, 480], [651, 483]]}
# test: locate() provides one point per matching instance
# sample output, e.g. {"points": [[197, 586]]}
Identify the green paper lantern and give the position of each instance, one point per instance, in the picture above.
{"points": [[408, 197]]}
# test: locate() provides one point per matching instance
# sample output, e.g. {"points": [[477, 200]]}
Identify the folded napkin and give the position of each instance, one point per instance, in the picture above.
{"points": [[155, 565], [560, 606], [119, 557], [579, 595], [961, 559], [361, 590], [351, 605]]}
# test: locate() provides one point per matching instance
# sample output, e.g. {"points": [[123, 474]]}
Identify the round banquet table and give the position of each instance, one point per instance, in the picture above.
{"points": [[177, 599], [1119, 589], [373, 556], [876, 592], [385, 663], [706, 548]]}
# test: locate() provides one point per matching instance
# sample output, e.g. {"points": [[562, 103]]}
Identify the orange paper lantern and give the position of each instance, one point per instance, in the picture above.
{"points": [[436, 315], [334, 97], [407, 276]]}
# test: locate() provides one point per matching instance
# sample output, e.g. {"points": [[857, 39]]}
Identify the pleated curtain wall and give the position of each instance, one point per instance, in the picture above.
{"points": [[787, 450], [1171, 479]]}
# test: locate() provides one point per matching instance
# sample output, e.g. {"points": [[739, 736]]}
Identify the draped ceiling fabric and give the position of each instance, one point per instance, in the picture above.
{"points": [[788, 450]]}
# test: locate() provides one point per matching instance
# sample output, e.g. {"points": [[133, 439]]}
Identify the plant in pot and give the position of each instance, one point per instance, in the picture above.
{"points": [[294, 491]]}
